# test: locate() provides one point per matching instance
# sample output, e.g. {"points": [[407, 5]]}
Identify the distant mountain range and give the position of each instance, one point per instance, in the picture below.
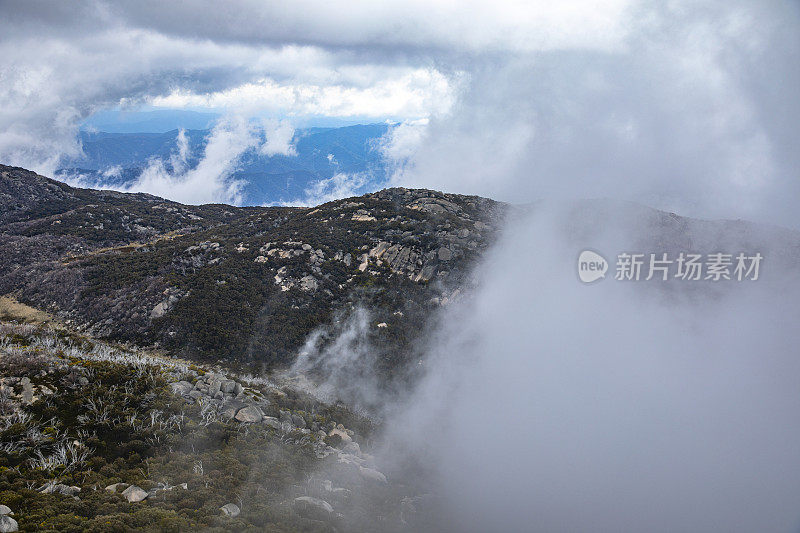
{"points": [[117, 159]]}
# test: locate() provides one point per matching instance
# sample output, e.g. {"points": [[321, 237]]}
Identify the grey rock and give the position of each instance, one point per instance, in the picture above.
{"points": [[314, 508], [195, 394], [214, 387], [272, 422], [238, 388], [285, 416], [308, 283], [230, 509], [59, 488], [227, 386], [298, 421], [5, 510], [370, 474], [8, 524], [117, 487], [249, 414], [352, 448], [336, 493], [342, 433], [445, 254], [230, 408], [134, 494], [181, 387], [27, 390]]}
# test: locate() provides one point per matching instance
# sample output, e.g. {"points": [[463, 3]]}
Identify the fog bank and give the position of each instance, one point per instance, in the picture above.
{"points": [[550, 405]]}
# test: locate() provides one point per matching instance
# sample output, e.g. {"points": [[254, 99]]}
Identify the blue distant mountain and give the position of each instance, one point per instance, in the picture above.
{"points": [[321, 153], [155, 121]]}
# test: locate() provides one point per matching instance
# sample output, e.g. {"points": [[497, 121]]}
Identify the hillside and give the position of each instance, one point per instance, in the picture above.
{"points": [[97, 437], [245, 285]]}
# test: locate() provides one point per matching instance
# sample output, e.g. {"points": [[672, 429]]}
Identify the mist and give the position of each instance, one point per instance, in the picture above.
{"points": [[205, 177], [551, 405]]}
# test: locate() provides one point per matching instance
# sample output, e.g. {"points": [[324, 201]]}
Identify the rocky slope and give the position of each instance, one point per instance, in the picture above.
{"points": [[96, 437], [244, 284]]}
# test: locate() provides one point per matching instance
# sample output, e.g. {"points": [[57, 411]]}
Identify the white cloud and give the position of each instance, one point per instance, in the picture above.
{"points": [[210, 180], [686, 106], [414, 93], [467, 26], [685, 117], [340, 185], [550, 405], [279, 138], [59, 64], [400, 143]]}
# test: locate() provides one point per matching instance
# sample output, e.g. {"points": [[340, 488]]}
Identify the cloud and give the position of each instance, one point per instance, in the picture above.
{"points": [[550, 405], [206, 178], [59, 65], [207, 181], [471, 26], [340, 185], [343, 357], [689, 107], [279, 138], [400, 143], [683, 116], [413, 93]]}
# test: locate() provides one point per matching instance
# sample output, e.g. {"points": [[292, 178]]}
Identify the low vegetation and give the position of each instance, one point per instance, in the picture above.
{"points": [[80, 414]]}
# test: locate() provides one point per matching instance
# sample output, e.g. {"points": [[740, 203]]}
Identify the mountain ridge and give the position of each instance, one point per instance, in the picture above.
{"points": [[249, 285], [243, 283]]}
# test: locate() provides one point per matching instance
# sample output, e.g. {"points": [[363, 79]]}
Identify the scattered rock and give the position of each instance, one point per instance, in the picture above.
{"points": [[59, 488], [230, 509], [195, 394], [116, 487], [8, 524], [134, 494], [298, 421], [27, 390], [230, 408], [342, 433], [313, 508], [5, 510], [308, 283], [370, 474], [181, 387], [249, 414], [362, 215], [352, 448], [272, 422]]}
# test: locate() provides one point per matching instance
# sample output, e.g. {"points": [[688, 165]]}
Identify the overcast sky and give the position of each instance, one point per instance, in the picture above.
{"points": [[689, 106]]}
